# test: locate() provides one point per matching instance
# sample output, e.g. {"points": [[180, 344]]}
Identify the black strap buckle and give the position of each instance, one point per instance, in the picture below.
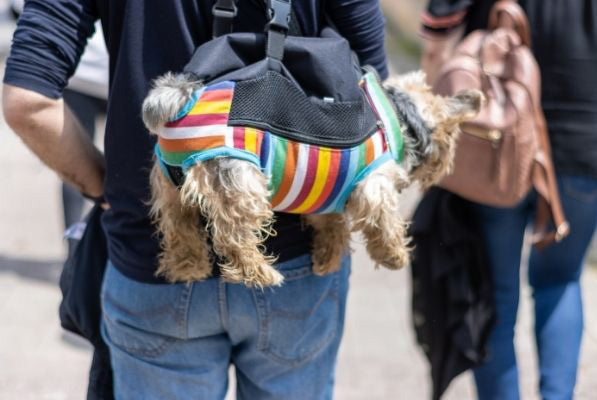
{"points": [[223, 12], [279, 15]]}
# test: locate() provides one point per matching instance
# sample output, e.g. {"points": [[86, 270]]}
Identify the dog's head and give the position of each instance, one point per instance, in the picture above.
{"points": [[430, 124]]}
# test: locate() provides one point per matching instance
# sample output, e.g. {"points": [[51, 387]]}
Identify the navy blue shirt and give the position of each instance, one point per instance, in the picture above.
{"points": [[145, 39]]}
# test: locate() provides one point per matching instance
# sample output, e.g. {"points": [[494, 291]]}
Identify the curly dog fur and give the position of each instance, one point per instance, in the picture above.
{"points": [[232, 195]]}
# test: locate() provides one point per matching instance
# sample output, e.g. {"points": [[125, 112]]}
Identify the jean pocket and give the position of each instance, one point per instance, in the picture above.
{"points": [[300, 318], [580, 188], [142, 319]]}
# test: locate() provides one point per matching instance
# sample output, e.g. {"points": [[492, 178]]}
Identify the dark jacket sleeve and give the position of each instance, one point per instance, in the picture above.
{"points": [[47, 44], [362, 23], [441, 16]]}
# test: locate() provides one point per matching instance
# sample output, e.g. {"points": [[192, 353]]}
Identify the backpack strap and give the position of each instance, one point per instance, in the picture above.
{"points": [[277, 28], [550, 223], [224, 12]]}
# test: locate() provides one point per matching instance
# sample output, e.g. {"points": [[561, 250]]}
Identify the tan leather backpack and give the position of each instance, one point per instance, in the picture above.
{"points": [[505, 151]]}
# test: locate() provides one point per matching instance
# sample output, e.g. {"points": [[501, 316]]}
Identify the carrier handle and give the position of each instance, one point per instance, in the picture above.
{"points": [[277, 29], [512, 10]]}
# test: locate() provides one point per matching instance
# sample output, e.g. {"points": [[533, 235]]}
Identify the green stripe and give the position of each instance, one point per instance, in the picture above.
{"points": [[279, 162], [362, 155], [390, 114], [175, 158]]}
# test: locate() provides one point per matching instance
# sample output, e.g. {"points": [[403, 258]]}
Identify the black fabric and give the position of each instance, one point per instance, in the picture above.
{"points": [[101, 381], [312, 97], [452, 300], [272, 102], [241, 56], [564, 42], [80, 309], [146, 39], [275, 45]]}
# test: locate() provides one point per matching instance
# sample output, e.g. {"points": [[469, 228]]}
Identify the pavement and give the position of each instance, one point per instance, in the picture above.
{"points": [[379, 359]]}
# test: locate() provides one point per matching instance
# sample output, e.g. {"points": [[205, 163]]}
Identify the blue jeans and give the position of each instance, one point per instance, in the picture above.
{"points": [[177, 341], [554, 275]]}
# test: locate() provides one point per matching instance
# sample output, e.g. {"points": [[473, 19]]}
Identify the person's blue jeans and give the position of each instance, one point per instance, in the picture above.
{"points": [[554, 275], [177, 341]]}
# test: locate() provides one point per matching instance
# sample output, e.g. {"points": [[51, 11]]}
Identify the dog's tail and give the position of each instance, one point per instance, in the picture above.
{"points": [[168, 96]]}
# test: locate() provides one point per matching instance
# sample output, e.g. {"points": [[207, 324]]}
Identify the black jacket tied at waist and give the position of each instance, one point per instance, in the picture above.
{"points": [[453, 310]]}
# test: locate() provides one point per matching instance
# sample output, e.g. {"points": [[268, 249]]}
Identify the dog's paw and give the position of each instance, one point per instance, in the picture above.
{"points": [[396, 258], [168, 96]]}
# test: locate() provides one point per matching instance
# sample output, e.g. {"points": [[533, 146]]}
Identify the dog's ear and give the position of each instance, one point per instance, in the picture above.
{"points": [[168, 95], [465, 105]]}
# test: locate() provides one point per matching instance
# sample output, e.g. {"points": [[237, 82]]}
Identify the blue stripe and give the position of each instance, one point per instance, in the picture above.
{"points": [[221, 151], [387, 156], [269, 162], [343, 172], [158, 155], [265, 149], [221, 85]]}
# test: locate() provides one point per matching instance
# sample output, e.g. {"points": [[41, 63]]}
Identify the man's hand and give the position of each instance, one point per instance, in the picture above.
{"points": [[55, 135]]}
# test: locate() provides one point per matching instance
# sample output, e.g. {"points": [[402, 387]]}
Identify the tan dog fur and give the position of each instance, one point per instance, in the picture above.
{"points": [[233, 198]]}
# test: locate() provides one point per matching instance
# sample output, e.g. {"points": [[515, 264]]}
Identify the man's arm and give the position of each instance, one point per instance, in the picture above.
{"points": [[361, 22], [442, 26], [47, 45], [55, 135]]}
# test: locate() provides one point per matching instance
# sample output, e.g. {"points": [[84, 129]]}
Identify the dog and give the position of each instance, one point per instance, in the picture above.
{"points": [[228, 200]]}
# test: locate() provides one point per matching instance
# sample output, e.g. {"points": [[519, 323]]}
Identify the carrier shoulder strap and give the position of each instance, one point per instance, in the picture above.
{"points": [[224, 12]]}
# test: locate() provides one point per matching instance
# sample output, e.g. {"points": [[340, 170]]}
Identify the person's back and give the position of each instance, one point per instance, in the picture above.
{"points": [[282, 347], [564, 42]]}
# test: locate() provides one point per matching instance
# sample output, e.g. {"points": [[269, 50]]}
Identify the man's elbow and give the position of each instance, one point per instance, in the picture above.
{"points": [[22, 107]]}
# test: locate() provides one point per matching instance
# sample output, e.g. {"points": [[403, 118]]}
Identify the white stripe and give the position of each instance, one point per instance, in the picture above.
{"points": [[229, 138], [377, 145], [299, 177], [194, 132], [384, 118]]}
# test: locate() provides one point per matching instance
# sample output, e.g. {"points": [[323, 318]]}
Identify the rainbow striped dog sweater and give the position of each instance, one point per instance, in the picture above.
{"points": [[303, 178]]}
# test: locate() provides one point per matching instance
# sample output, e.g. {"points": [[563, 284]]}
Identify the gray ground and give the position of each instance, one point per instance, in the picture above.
{"points": [[378, 357]]}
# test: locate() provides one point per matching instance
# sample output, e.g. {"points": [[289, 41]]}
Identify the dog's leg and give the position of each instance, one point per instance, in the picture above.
{"points": [[373, 208], [233, 196], [184, 253], [330, 241]]}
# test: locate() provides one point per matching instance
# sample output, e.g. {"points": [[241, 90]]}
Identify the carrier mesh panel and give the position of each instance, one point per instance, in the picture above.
{"points": [[272, 102]]}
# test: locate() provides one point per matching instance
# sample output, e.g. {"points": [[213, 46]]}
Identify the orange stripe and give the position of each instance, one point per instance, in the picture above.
{"points": [[370, 151], [180, 145], [217, 95], [289, 167]]}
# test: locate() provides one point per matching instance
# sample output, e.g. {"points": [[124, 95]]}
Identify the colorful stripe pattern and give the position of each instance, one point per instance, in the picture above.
{"points": [[304, 178]]}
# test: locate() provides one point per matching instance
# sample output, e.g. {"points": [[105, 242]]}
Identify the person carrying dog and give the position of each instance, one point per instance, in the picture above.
{"points": [[563, 42], [172, 341]]}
